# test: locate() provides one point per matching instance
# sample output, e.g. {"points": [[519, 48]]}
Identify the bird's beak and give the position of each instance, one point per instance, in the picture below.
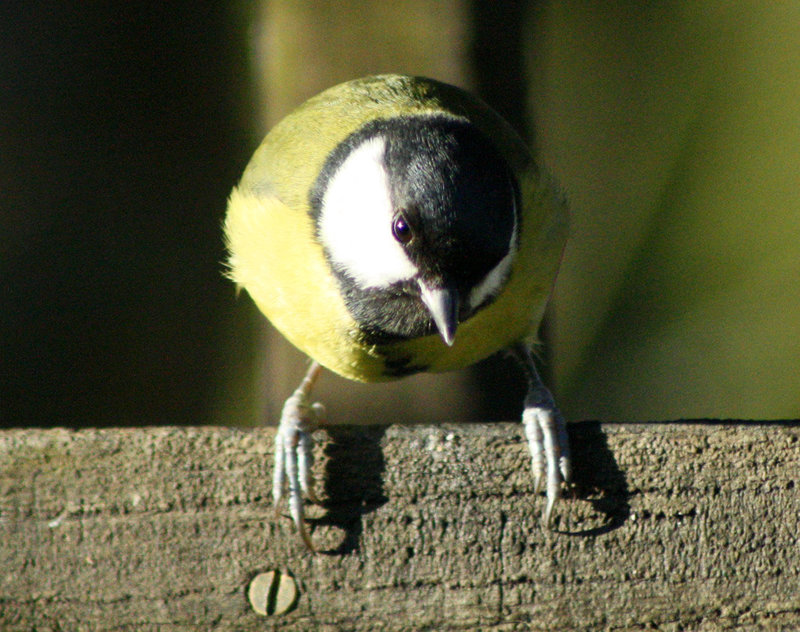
{"points": [[443, 306]]}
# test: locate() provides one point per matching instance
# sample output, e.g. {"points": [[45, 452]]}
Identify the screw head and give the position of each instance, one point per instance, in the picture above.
{"points": [[273, 593]]}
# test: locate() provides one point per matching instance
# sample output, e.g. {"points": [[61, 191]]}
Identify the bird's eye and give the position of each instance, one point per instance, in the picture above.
{"points": [[401, 230]]}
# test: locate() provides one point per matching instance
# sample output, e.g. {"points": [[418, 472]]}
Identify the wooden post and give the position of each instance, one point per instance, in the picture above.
{"points": [[673, 526]]}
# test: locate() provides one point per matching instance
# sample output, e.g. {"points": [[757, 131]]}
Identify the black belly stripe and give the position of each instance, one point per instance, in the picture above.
{"points": [[402, 366]]}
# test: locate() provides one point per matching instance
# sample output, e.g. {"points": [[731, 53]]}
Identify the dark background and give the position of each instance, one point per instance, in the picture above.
{"points": [[122, 134]]}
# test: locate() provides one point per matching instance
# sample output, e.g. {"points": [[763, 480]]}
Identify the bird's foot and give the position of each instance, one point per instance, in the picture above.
{"points": [[548, 443], [294, 455]]}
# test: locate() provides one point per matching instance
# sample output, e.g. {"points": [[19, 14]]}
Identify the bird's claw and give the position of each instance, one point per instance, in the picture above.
{"points": [[549, 445], [294, 455]]}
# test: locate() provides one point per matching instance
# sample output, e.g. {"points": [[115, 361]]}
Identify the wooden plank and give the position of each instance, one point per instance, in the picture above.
{"points": [[681, 526]]}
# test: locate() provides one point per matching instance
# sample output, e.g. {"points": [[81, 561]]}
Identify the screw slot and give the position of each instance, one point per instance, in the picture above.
{"points": [[273, 593]]}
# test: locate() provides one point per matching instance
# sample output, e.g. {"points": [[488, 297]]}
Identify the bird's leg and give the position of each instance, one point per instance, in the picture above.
{"points": [[546, 432], [294, 450]]}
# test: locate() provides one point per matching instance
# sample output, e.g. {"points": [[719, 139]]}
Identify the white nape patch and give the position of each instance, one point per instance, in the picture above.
{"points": [[493, 282], [355, 223]]}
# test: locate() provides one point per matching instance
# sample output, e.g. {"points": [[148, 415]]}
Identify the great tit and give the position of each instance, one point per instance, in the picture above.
{"points": [[392, 225]]}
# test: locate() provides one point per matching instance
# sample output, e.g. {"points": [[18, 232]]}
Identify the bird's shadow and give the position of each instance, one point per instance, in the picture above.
{"points": [[354, 467], [597, 478]]}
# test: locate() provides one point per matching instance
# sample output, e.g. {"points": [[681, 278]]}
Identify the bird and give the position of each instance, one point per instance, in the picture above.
{"points": [[392, 225]]}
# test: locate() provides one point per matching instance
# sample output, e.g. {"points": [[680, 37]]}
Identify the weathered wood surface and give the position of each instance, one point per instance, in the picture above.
{"points": [[684, 526]]}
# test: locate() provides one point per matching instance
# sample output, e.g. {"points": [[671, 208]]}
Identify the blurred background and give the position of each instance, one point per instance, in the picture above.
{"points": [[673, 127]]}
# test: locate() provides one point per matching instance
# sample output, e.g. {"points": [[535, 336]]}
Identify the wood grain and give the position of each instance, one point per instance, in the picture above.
{"points": [[680, 526]]}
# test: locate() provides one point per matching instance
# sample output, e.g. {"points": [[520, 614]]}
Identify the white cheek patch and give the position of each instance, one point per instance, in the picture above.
{"points": [[355, 222]]}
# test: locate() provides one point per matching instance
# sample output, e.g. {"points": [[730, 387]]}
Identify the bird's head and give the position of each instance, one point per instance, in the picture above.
{"points": [[418, 219]]}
